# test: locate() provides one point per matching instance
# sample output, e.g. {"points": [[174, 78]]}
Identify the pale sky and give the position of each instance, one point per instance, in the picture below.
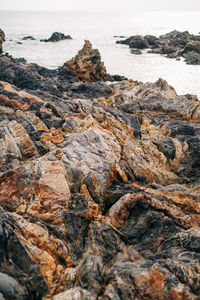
{"points": [[100, 5]]}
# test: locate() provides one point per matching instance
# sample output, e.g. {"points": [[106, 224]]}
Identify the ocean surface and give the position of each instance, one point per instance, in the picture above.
{"points": [[100, 29]]}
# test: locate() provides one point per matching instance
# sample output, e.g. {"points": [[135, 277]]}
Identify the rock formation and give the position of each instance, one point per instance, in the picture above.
{"points": [[56, 37], [137, 42], [174, 45], [99, 187], [2, 39], [87, 65]]}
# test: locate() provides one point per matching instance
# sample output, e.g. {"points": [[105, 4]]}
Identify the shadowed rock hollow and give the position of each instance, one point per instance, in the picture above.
{"points": [[99, 188]]}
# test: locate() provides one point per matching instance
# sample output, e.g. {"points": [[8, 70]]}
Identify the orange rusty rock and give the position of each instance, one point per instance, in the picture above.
{"points": [[57, 139], [83, 67], [154, 283], [45, 137]]}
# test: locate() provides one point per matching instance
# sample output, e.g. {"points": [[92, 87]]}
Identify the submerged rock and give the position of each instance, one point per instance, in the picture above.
{"points": [[99, 186], [29, 37]]}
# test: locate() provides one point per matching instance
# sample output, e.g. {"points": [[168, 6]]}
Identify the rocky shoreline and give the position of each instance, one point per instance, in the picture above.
{"points": [[99, 184], [174, 44]]}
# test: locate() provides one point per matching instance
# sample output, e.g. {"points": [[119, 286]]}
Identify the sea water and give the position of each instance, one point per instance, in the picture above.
{"points": [[100, 29]]}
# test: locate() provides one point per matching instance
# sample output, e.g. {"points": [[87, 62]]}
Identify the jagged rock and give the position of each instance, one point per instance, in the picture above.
{"points": [[56, 82], [20, 276], [99, 187], [87, 65], [2, 39], [56, 37]]}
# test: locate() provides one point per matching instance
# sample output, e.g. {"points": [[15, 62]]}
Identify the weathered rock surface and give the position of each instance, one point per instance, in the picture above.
{"points": [[99, 187], [2, 39], [56, 37], [174, 45], [87, 65]]}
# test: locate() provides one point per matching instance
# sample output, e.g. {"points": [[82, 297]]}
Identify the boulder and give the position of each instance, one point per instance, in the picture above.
{"points": [[136, 41]]}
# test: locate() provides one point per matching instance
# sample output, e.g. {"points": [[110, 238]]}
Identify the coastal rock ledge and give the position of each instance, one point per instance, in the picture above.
{"points": [[99, 187]]}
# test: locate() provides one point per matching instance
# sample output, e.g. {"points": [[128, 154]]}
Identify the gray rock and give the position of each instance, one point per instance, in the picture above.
{"points": [[11, 289]]}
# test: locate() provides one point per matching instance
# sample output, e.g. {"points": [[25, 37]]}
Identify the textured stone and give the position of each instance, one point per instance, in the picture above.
{"points": [[99, 186], [75, 293], [87, 65], [21, 278]]}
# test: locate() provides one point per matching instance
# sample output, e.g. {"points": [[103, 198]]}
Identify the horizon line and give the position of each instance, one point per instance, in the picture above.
{"points": [[96, 11]]}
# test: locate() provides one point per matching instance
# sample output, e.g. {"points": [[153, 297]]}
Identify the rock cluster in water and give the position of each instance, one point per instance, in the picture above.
{"points": [[99, 187], [174, 45], [56, 37]]}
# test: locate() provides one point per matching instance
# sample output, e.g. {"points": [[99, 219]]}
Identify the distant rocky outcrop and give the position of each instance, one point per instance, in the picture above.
{"points": [[56, 37], [174, 45], [2, 39], [99, 186], [87, 65]]}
